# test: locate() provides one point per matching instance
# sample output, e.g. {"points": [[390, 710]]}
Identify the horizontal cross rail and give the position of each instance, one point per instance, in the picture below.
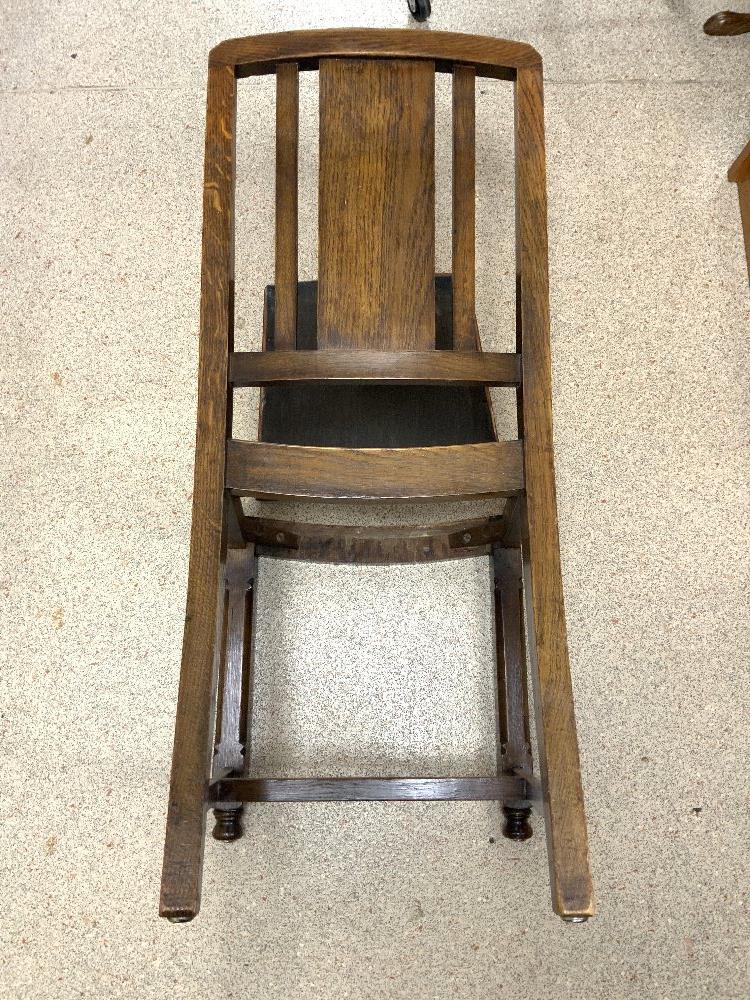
{"points": [[383, 367], [493, 57], [342, 543], [459, 472], [369, 789]]}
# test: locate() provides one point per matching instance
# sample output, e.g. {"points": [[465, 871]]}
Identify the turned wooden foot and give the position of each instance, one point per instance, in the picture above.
{"points": [[228, 824], [517, 826]]}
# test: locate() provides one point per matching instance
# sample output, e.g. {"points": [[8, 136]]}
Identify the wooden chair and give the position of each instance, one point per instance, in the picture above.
{"points": [[374, 387]]}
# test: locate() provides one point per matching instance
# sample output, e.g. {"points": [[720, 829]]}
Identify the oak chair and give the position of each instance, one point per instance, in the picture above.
{"points": [[374, 388]]}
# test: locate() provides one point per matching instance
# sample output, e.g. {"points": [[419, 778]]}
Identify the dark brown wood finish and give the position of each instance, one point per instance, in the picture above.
{"points": [[457, 472], [463, 180], [287, 140], [369, 545], [512, 697], [376, 205], [193, 742], [235, 688], [376, 318], [368, 789], [567, 842], [739, 172], [727, 22], [381, 367], [372, 415]]}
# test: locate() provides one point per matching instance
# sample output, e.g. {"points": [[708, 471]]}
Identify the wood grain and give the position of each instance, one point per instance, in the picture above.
{"points": [[235, 683], [287, 141], [341, 543], [464, 237], [567, 844], [513, 705], [496, 58], [381, 367], [368, 789], [458, 472], [193, 744], [376, 205]]}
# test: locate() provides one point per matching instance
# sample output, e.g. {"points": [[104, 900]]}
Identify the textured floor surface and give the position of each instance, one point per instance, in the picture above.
{"points": [[379, 670]]}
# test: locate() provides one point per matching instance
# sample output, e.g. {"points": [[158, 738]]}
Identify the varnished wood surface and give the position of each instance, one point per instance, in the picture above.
{"points": [[727, 22], [463, 181], [382, 367], [339, 543], [370, 415], [513, 706], [492, 57], [376, 205], [287, 142], [743, 190], [368, 789], [231, 732], [458, 472], [739, 172], [193, 743], [740, 169], [567, 842]]}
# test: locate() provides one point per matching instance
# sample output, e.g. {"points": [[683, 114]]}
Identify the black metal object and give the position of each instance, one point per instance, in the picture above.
{"points": [[420, 9]]}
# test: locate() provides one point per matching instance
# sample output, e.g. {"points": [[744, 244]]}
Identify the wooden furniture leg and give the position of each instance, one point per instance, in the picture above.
{"points": [[512, 695], [739, 172], [235, 690], [567, 843], [193, 740]]}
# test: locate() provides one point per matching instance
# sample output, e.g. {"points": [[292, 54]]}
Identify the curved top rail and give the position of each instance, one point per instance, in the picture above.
{"points": [[491, 57]]}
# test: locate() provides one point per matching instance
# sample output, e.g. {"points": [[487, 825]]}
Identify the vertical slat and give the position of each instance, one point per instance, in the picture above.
{"points": [[376, 208], [548, 650], [464, 210], [193, 745], [287, 144]]}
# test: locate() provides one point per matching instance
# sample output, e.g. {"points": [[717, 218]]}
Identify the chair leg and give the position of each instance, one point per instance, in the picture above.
{"points": [[512, 696], [235, 692]]}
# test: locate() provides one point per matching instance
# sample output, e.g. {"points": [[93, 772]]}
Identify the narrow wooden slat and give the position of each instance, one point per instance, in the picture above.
{"points": [[492, 57], [572, 891], [376, 209], [191, 762], [455, 472], [464, 211], [287, 141], [513, 707], [382, 367], [368, 789], [232, 728], [375, 546]]}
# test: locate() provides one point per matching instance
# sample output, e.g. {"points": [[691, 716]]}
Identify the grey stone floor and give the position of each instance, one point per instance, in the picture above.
{"points": [[372, 670]]}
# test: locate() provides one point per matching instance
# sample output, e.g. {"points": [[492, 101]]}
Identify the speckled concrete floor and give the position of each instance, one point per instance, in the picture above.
{"points": [[372, 670]]}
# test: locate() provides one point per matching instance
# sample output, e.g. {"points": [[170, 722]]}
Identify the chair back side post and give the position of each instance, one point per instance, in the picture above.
{"points": [[193, 742], [548, 648]]}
